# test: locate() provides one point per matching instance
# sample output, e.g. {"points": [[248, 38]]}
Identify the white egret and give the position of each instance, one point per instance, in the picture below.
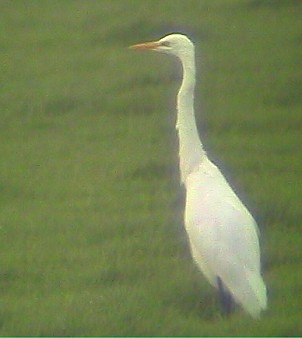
{"points": [[222, 233]]}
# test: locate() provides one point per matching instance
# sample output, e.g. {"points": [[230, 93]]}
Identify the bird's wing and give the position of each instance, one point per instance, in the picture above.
{"points": [[224, 234], [215, 212]]}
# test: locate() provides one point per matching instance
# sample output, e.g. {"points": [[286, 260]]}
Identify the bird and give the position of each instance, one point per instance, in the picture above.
{"points": [[222, 234]]}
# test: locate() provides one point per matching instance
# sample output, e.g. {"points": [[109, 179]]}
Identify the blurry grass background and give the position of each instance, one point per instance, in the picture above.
{"points": [[91, 234]]}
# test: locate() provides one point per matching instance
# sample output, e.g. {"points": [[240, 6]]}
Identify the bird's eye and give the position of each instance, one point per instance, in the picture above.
{"points": [[166, 44]]}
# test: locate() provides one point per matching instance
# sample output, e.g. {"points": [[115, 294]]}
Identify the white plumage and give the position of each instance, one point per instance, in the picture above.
{"points": [[222, 233]]}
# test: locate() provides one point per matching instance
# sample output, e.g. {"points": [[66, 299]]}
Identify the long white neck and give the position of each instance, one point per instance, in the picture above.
{"points": [[191, 152]]}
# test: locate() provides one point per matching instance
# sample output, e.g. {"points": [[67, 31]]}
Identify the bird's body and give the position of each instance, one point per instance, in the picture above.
{"points": [[223, 237], [222, 233]]}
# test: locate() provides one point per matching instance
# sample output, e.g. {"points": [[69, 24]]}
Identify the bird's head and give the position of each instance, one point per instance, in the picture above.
{"points": [[174, 44]]}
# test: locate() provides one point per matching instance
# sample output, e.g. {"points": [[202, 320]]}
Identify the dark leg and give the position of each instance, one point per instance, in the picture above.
{"points": [[225, 298]]}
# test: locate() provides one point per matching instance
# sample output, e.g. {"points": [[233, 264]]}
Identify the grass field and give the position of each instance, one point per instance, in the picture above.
{"points": [[91, 234]]}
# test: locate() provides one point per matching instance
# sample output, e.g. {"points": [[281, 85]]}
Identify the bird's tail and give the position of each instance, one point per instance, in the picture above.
{"points": [[251, 293], [259, 289]]}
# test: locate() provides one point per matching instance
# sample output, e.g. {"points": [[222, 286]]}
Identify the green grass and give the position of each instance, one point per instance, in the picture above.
{"points": [[91, 233]]}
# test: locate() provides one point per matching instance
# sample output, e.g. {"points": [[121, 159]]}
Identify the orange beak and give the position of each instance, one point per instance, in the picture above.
{"points": [[146, 45]]}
